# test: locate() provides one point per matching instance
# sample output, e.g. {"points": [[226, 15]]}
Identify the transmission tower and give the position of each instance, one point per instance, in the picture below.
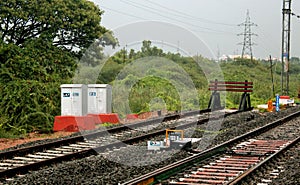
{"points": [[286, 36], [247, 44]]}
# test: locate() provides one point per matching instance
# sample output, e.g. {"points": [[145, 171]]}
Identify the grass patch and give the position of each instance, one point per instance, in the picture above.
{"points": [[107, 124], [10, 135]]}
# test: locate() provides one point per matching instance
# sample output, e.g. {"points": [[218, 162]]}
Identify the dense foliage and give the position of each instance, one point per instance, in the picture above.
{"points": [[40, 46], [151, 93], [30, 77], [65, 23], [36, 60], [155, 79], [259, 72]]}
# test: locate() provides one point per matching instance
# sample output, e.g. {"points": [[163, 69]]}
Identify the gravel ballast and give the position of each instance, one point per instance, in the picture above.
{"points": [[100, 170]]}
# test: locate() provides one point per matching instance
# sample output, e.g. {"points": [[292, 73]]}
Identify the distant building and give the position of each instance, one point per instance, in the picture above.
{"points": [[233, 57]]}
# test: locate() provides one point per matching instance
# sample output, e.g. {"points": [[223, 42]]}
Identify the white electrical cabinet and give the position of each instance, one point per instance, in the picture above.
{"points": [[99, 99], [73, 99]]}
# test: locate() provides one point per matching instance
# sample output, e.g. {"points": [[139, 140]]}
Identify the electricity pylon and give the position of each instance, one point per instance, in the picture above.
{"points": [[247, 44]]}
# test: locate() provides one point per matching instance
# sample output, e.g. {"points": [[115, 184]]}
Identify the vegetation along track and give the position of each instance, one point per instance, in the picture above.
{"points": [[29, 158], [237, 161]]}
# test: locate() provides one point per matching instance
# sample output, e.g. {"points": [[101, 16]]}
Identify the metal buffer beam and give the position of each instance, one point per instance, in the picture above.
{"points": [[217, 86]]}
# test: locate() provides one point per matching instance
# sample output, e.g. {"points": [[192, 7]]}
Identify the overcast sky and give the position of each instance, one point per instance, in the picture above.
{"points": [[212, 22]]}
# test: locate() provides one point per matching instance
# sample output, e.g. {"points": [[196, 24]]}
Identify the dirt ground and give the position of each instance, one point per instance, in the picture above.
{"points": [[7, 143]]}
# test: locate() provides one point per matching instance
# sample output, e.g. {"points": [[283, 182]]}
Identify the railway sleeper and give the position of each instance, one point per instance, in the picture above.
{"points": [[72, 148], [49, 154], [40, 157], [64, 150], [79, 146], [29, 159], [15, 161], [58, 151], [11, 164], [88, 144]]}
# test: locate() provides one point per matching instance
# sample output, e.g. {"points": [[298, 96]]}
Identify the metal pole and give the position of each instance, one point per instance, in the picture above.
{"points": [[288, 49], [285, 55], [271, 66]]}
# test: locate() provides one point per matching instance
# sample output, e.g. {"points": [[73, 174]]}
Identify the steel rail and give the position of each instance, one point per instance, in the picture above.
{"points": [[90, 151], [74, 139], [264, 162], [169, 170]]}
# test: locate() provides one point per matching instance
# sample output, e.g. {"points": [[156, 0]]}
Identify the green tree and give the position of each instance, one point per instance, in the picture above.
{"points": [[39, 43], [148, 50], [66, 23], [29, 85], [37, 60], [93, 55]]}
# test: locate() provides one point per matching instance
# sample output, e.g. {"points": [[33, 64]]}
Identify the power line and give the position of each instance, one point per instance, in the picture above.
{"points": [[296, 15], [185, 15], [123, 13], [224, 32], [194, 30], [157, 12], [270, 42], [149, 9]]}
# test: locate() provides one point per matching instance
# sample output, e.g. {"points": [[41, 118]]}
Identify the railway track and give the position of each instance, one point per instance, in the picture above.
{"points": [[31, 158], [233, 162]]}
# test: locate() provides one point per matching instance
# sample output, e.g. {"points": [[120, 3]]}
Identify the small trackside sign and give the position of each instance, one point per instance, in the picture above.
{"points": [[154, 145], [66, 95], [92, 93]]}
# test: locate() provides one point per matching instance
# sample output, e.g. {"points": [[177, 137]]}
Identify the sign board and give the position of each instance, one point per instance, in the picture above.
{"points": [[284, 101], [277, 103], [92, 93], [154, 145], [66, 95], [174, 136]]}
